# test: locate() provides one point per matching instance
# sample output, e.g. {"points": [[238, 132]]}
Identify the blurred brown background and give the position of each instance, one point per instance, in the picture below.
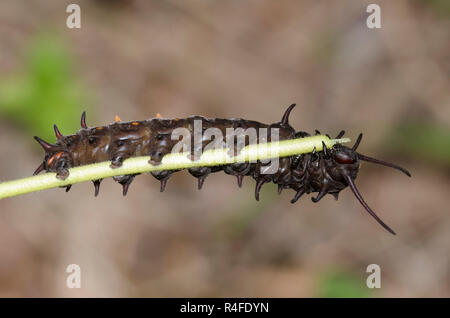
{"points": [[229, 59]]}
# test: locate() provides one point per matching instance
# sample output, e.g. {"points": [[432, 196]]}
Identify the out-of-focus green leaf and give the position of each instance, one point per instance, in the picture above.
{"points": [[441, 7], [423, 141], [245, 211], [342, 284], [44, 91]]}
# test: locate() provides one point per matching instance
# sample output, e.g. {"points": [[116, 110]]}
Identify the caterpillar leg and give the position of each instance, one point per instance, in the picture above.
{"points": [[239, 180], [96, 186], [125, 181], [200, 173], [259, 184], [335, 195], [163, 184], [297, 196], [67, 187], [201, 180], [162, 176], [323, 191], [280, 188], [239, 170]]}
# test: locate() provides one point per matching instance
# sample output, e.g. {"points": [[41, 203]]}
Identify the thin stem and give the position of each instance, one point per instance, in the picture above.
{"points": [[135, 165]]}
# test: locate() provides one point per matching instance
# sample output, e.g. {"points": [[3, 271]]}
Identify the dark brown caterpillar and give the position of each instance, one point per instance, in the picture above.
{"points": [[326, 172]]}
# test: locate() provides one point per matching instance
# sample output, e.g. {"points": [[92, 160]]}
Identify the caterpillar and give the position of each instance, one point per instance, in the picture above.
{"points": [[328, 171]]}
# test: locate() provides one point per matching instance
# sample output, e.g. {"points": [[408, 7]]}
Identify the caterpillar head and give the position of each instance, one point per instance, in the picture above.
{"points": [[347, 159], [59, 157], [347, 165], [344, 160]]}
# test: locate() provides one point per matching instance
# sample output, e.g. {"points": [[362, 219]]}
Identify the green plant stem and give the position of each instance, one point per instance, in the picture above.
{"points": [[135, 165]]}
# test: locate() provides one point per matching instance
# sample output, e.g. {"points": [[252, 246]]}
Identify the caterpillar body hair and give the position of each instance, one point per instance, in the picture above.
{"points": [[328, 171]]}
